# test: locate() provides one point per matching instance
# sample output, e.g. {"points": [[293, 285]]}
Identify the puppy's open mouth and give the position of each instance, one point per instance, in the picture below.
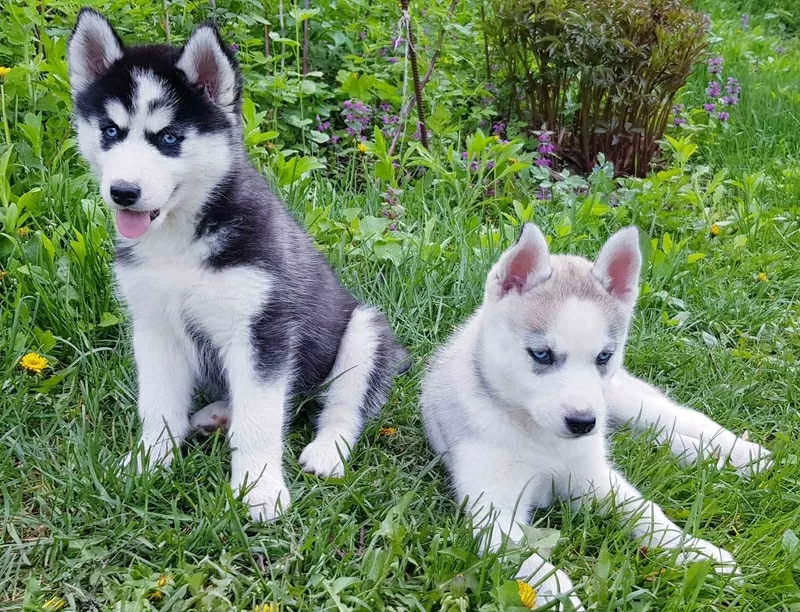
{"points": [[134, 223]]}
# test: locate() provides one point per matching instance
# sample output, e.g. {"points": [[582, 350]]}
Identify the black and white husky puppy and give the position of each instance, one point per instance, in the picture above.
{"points": [[222, 284], [520, 399]]}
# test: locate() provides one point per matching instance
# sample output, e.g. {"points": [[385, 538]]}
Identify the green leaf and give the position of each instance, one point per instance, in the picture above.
{"points": [[666, 243], [108, 320], [30, 200], [391, 251], [373, 227], [695, 257], [302, 14], [542, 540]]}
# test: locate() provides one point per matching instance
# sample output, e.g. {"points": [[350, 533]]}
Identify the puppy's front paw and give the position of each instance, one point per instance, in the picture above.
{"points": [[697, 550], [267, 501], [749, 458], [322, 457], [555, 587]]}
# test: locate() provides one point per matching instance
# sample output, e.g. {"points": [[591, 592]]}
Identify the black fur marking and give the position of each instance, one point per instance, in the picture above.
{"points": [[211, 378], [173, 150], [390, 360], [195, 109], [105, 142], [125, 255]]}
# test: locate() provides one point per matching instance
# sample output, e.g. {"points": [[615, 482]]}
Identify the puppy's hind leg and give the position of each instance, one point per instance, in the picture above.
{"points": [[357, 388], [209, 419]]}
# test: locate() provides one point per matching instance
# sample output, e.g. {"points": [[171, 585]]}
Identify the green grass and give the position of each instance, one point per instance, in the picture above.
{"points": [[389, 536]]}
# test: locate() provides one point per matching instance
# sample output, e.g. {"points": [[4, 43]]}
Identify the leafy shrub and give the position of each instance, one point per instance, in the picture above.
{"points": [[602, 74]]}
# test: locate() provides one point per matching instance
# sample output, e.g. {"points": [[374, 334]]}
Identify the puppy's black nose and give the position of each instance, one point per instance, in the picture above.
{"points": [[580, 425], [125, 194]]}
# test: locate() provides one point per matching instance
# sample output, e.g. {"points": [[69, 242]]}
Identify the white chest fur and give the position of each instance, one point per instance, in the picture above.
{"points": [[176, 290]]}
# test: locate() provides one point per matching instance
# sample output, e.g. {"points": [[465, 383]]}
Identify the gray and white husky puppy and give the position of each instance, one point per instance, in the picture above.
{"points": [[519, 402], [225, 290]]}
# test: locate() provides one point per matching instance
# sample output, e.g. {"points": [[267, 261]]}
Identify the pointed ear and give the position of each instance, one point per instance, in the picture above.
{"points": [[618, 264], [211, 65], [93, 47], [524, 265]]}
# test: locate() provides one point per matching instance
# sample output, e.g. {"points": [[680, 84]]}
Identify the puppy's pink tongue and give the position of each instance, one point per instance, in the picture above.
{"points": [[132, 223]]}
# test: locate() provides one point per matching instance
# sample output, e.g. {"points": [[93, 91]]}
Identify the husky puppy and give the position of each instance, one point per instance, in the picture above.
{"points": [[224, 288], [519, 402]]}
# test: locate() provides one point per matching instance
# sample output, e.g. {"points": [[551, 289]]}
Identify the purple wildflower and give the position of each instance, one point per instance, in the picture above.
{"points": [[357, 117], [546, 148], [679, 121], [385, 107], [392, 60], [396, 42], [678, 108], [392, 228], [710, 108], [544, 193], [464, 155], [723, 116], [713, 90], [730, 100], [334, 139], [235, 48], [745, 20], [733, 88], [498, 129], [544, 137], [363, 35], [543, 162], [418, 133], [715, 65]]}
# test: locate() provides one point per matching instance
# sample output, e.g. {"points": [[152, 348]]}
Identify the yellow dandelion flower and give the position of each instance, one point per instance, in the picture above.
{"points": [[33, 363], [54, 604], [715, 230], [163, 580], [762, 277], [362, 147], [268, 607], [4, 72], [512, 161], [388, 431], [527, 594], [23, 232], [156, 595], [3, 274]]}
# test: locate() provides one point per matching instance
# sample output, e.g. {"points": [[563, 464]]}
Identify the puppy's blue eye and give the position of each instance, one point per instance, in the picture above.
{"points": [[168, 139], [544, 356], [111, 132], [604, 357]]}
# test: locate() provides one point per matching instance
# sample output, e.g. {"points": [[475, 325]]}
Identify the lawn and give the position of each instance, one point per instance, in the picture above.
{"points": [[717, 326]]}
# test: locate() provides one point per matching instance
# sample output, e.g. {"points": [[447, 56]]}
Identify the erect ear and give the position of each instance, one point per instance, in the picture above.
{"points": [[93, 47], [211, 65], [618, 264], [524, 265]]}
